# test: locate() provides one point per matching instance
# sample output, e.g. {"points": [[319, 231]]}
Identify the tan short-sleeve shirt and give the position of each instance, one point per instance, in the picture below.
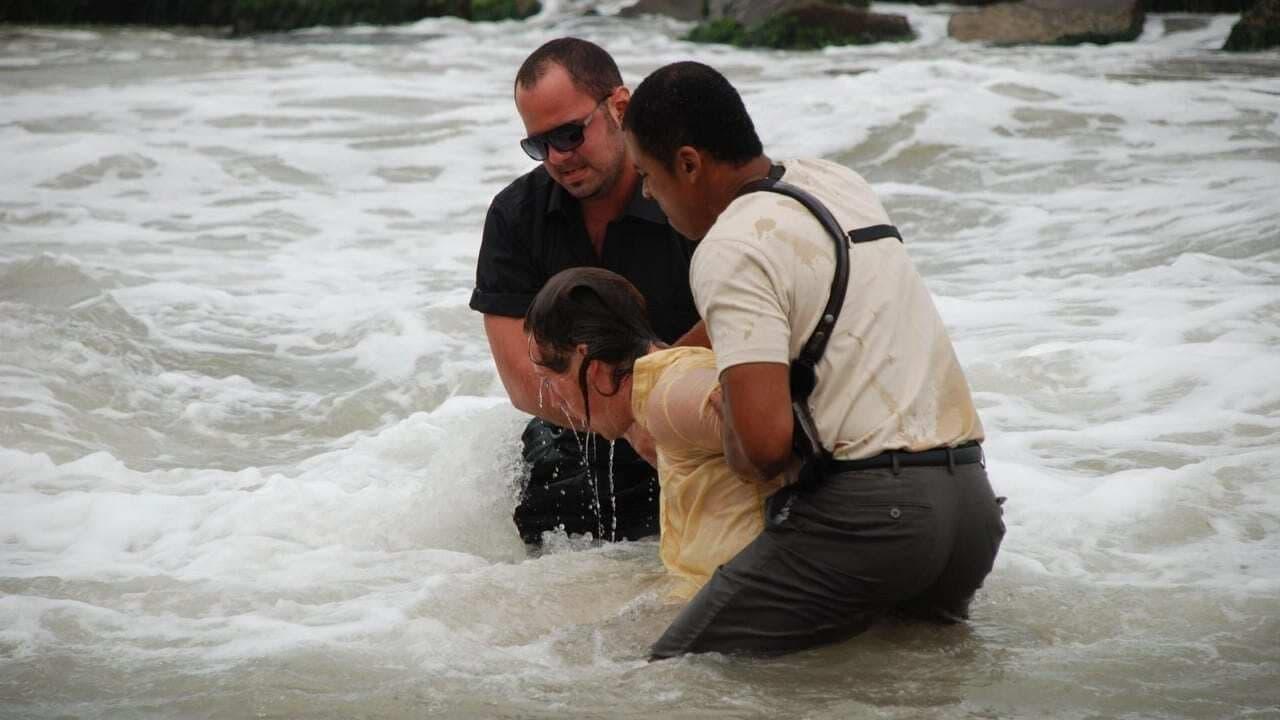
{"points": [[889, 378]]}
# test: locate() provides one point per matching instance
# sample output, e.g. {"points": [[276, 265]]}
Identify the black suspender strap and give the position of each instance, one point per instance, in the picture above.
{"points": [[812, 350], [875, 232], [803, 375]]}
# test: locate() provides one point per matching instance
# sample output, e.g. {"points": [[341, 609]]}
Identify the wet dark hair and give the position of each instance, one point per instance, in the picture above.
{"points": [[591, 69], [593, 307], [688, 103]]}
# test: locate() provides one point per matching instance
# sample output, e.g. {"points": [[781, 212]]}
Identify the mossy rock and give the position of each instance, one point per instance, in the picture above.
{"points": [[723, 31], [1198, 6], [492, 10], [118, 12], [806, 26], [251, 16]]}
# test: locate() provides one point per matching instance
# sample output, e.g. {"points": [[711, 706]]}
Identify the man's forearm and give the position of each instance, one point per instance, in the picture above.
{"points": [[756, 407], [740, 461]]}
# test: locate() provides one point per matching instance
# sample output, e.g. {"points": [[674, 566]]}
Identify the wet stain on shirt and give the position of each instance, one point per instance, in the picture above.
{"points": [[765, 225]]}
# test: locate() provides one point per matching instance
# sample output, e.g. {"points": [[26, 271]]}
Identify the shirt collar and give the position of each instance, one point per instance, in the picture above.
{"points": [[638, 206]]}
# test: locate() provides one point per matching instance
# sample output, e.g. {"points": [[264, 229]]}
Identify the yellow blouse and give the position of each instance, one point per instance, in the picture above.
{"points": [[706, 512]]}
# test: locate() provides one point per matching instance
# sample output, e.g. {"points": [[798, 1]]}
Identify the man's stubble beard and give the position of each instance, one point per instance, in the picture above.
{"points": [[609, 177]]}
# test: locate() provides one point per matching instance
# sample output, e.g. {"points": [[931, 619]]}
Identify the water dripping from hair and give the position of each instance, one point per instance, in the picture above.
{"points": [[613, 495], [585, 450]]}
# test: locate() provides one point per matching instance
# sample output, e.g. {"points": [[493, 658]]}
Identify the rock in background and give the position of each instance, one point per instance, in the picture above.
{"points": [[678, 9], [1050, 22], [1258, 29], [1199, 6], [251, 16], [493, 10], [953, 2], [797, 24]]}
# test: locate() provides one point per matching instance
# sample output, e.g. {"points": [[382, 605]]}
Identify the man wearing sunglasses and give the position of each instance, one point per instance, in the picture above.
{"points": [[582, 206]]}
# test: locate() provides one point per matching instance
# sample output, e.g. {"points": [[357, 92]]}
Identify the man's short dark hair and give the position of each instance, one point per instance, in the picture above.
{"points": [[688, 103], [591, 69]]}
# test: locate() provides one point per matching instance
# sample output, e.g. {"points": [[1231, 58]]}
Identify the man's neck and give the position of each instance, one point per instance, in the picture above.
{"points": [[599, 211], [736, 178]]}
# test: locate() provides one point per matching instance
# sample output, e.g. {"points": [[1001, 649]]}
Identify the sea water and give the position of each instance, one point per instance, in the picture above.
{"points": [[255, 459]]}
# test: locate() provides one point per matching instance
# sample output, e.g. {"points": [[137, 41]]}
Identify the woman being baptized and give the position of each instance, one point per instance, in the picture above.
{"points": [[590, 341]]}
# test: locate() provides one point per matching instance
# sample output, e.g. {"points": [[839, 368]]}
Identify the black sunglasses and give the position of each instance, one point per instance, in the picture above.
{"points": [[563, 138]]}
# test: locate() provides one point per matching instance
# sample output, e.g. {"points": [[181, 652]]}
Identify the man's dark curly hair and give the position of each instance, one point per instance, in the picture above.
{"points": [[688, 103]]}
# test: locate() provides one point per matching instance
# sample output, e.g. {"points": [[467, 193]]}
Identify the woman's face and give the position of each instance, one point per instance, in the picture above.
{"points": [[559, 391], [562, 393]]}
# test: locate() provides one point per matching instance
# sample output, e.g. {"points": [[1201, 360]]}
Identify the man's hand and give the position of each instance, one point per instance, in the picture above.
{"points": [[715, 401]]}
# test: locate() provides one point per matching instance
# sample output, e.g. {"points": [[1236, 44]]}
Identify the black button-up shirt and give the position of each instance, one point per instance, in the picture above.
{"points": [[534, 230]]}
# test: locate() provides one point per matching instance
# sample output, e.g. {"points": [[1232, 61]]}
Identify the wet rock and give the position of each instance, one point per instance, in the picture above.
{"points": [[490, 10], [797, 24], [1258, 29], [1199, 6], [135, 12], [678, 9], [953, 2], [751, 13], [257, 16], [254, 16], [1050, 22]]}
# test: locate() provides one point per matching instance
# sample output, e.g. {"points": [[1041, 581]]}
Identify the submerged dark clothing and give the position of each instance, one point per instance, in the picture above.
{"points": [[611, 500], [836, 556], [534, 229]]}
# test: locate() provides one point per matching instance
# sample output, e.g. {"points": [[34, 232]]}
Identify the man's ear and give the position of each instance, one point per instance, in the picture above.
{"points": [[618, 103], [688, 165]]}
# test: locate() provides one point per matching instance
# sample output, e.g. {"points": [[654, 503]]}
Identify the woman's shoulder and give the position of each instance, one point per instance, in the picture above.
{"points": [[685, 357], [649, 369]]}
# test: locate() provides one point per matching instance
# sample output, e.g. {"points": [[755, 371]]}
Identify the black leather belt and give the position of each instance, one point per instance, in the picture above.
{"points": [[966, 454]]}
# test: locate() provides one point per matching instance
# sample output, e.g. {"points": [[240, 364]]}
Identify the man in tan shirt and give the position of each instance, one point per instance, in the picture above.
{"points": [[902, 517], [889, 379]]}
